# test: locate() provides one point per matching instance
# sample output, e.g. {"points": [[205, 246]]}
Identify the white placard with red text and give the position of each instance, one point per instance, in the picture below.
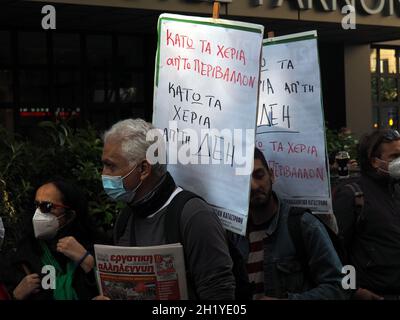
{"points": [[290, 121], [206, 77]]}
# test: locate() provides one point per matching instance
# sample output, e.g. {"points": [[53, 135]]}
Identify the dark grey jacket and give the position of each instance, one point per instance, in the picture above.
{"points": [[204, 243]]}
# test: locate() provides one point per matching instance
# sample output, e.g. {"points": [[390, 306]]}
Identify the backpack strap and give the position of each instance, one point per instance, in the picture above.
{"points": [[172, 224], [172, 229], [358, 201], [172, 221], [120, 225]]}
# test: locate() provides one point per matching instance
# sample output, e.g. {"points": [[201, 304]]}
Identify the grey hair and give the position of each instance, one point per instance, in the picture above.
{"points": [[132, 134]]}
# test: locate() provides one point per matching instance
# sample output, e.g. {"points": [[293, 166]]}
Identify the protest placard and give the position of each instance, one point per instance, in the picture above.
{"points": [[290, 121], [205, 103]]}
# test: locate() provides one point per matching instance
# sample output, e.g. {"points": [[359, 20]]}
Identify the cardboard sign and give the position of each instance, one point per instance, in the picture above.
{"points": [[205, 103], [290, 121]]}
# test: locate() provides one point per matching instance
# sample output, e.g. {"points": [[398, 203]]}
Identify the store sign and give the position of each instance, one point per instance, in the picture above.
{"points": [[385, 7]]}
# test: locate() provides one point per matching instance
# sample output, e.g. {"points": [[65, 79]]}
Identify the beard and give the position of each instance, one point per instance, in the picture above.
{"points": [[259, 198]]}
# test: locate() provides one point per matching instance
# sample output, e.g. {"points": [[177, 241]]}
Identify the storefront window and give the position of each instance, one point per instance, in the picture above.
{"points": [[100, 88], [388, 63], [373, 60], [385, 87], [130, 51], [68, 88], [95, 76], [99, 50], [32, 48], [6, 92], [34, 87], [5, 48], [131, 87], [66, 49]]}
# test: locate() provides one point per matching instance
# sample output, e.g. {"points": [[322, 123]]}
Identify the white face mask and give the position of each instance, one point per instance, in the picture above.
{"points": [[45, 225], [393, 168]]}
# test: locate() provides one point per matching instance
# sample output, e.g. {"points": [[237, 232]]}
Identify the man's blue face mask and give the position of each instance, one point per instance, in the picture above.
{"points": [[114, 187]]}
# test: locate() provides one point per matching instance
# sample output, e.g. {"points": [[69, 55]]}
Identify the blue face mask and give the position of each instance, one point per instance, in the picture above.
{"points": [[114, 187]]}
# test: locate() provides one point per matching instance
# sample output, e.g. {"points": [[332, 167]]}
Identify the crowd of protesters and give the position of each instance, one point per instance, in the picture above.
{"points": [[287, 252]]}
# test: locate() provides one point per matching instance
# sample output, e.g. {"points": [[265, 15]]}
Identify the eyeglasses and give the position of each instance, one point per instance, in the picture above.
{"points": [[391, 135], [47, 206]]}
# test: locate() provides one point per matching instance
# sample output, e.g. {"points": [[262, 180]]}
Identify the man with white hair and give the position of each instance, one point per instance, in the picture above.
{"points": [[149, 192]]}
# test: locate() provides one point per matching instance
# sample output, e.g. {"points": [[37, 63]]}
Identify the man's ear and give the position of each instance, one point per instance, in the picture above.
{"points": [[144, 169], [374, 162], [272, 175]]}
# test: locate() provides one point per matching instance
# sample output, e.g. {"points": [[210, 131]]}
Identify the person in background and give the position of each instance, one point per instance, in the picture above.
{"points": [[275, 267], [57, 236], [367, 210]]}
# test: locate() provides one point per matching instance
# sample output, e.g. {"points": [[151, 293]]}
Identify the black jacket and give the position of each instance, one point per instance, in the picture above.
{"points": [[373, 243]]}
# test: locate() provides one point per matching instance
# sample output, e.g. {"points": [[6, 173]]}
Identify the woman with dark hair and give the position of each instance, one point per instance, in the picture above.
{"points": [[53, 260]]}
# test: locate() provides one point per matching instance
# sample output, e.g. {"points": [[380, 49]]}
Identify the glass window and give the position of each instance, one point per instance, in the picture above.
{"points": [[373, 60], [33, 86], [6, 90], [32, 48], [67, 49], [100, 90], [5, 48], [68, 88], [387, 89], [374, 89], [7, 118], [388, 61], [375, 117], [131, 87], [99, 50], [388, 117], [130, 51]]}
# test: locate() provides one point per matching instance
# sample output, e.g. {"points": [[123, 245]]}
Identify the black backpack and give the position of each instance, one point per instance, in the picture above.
{"points": [[173, 234], [358, 195], [294, 226]]}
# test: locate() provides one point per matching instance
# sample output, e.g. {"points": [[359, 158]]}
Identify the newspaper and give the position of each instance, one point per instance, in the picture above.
{"points": [[141, 273]]}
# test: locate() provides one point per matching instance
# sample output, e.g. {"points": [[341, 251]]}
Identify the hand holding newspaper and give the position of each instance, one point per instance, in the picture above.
{"points": [[141, 273]]}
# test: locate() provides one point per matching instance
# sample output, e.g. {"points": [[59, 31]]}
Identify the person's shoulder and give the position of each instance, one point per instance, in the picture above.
{"points": [[195, 202], [197, 209], [309, 220], [195, 205]]}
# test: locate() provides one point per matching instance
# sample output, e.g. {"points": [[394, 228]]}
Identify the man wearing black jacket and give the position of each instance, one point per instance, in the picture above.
{"points": [[368, 215]]}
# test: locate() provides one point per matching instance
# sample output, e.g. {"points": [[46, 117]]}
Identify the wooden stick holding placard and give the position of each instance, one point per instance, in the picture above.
{"points": [[216, 7]]}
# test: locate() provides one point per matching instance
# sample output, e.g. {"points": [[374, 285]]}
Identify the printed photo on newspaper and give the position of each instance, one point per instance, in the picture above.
{"points": [[141, 273]]}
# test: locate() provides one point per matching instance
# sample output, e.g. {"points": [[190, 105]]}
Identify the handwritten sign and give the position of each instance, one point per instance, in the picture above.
{"points": [[205, 103], [290, 121]]}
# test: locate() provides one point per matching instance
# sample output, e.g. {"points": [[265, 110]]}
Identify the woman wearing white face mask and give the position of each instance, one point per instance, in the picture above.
{"points": [[58, 238]]}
